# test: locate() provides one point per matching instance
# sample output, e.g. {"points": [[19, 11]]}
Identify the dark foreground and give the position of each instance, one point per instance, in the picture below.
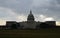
{"points": [[42, 33]]}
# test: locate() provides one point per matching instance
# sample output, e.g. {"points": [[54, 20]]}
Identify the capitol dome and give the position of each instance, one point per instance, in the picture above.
{"points": [[30, 17]]}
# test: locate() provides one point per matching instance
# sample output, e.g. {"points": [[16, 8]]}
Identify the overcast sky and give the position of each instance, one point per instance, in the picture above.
{"points": [[18, 10]]}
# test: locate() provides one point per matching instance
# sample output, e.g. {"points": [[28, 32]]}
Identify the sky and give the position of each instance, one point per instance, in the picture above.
{"points": [[18, 10]]}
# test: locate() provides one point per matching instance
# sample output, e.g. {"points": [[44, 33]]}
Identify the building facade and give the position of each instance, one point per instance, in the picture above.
{"points": [[29, 24]]}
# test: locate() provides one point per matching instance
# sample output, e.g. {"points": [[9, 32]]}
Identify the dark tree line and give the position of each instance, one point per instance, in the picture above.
{"points": [[15, 26], [44, 25]]}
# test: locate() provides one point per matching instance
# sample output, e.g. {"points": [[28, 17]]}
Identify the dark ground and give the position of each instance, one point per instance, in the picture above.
{"points": [[42, 33]]}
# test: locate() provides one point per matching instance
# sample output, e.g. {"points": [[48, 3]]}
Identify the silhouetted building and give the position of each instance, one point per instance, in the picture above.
{"points": [[12, 24], [29, 24], [51, 23]]}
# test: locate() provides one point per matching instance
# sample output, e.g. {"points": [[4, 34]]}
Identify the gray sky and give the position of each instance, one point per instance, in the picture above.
{"points": [[18, 10]]}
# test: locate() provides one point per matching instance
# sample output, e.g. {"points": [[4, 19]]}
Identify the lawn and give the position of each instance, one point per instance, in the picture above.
{"points": [[42, 33]]}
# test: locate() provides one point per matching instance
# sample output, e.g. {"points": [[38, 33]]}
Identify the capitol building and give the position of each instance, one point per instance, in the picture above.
{"points": [[29, 24]]}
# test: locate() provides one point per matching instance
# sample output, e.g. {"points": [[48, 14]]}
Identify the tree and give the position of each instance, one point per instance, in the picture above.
{"points": [[38, 26], [14, 26], [44, 25]]}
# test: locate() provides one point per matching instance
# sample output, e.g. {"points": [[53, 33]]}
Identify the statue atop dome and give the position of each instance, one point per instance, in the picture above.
{"points": [[30, 12]]}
